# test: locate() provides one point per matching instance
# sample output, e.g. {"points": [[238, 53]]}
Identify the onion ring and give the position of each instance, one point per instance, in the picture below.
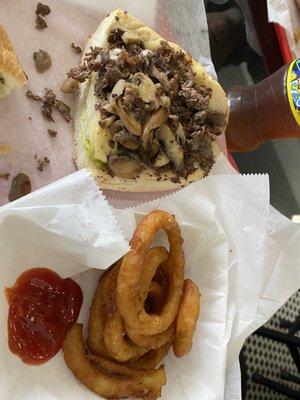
{"points": [[129, 298], [187, 318], [147, 385], [114, 367], [155, 299], [151, 359], [96, 321], [114, 331], [154, 258]]}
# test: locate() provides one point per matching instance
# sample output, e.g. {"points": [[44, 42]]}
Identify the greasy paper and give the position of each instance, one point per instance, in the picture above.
{"points": [[242, 253], [70, 21]]}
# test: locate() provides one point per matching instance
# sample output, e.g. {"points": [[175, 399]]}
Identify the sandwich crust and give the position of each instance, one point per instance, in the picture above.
{"points": [[10, 68]]}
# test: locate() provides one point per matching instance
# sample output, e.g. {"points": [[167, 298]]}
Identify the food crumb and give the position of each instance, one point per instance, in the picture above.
{"points": [[77, 49], [40, 23], [42, 163], [52, 132], [20, 186], [49, 101], [41, 10], [42, 60], [117, 18], [5, 176], [5, 149], [35, 156], [30, 118], [175, 179]]}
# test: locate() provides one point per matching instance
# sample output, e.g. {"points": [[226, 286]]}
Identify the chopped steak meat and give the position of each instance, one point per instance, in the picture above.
{"points": [[77, 49], [40, 23], [153, 100], [33, 96], [5, 176], [49, 101], [42, 163], [52, 132], [42, 9]]}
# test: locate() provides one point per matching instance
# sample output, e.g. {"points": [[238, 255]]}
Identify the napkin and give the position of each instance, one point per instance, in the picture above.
{"points": [[287, 14], [242, 253]]}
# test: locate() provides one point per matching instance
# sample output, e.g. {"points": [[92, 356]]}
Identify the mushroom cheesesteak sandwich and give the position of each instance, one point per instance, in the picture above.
{"points": [[147, 114]]}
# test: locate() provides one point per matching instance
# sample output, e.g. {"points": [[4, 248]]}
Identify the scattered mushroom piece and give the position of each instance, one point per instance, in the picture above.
{"points": [[106, 122], [170, 145], [118, 89], [161, 160], [42, 60], [127, 140], [115, 127], [124, 167], [181, 134], [20, 186], [69, 85], [161, 77], [147, 89], [131, 124], [157, 119]]}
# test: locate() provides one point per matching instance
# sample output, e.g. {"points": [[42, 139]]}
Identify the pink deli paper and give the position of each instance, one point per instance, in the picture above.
{"points": [[71, 21]]}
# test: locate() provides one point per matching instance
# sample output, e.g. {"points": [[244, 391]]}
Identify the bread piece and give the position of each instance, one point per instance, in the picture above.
{"points": [[11, 73], [148, 180]]}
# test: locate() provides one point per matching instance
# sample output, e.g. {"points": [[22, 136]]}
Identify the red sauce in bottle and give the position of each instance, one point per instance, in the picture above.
{"points": [[42, 308]]}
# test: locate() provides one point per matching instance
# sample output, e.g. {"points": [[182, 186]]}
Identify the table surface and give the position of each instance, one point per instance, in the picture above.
{"points": [[242, 65]]}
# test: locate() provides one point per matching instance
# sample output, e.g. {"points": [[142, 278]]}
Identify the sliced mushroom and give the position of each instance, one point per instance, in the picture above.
{"points": [[161, 160], [161, 77], [157, 119], [69, 85], [165, 101], [147, 88], [106, 122], [132, 125], [124, 167], [109, 107], [153, 148], [180, 134], [20, 186], [127, 140], [115, 127], [42, 60], [131, 37], [118, 89], [170, 145]]}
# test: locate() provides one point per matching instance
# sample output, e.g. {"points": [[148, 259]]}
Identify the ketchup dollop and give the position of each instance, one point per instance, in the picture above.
{"points": [[42, 308]]}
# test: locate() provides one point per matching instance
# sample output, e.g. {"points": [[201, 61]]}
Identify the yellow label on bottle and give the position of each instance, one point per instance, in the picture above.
{"points": [[293, 88]]}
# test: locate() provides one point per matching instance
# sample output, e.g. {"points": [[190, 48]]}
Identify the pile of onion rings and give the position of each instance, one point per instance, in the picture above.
{"points": [[142, 307]]}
